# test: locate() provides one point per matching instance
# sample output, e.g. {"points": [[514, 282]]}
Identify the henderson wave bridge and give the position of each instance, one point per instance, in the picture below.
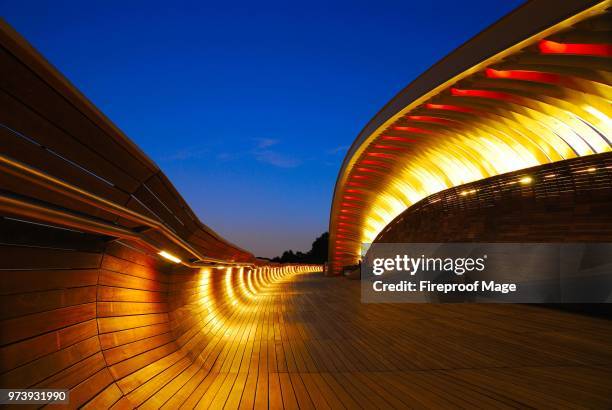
{"points": [[111, 287]]}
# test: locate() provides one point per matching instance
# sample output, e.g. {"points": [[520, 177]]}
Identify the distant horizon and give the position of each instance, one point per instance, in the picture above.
{"points": [[248, 109]]}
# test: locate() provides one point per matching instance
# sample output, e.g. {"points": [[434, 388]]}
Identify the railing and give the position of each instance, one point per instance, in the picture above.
{"points": [[64, 163]]}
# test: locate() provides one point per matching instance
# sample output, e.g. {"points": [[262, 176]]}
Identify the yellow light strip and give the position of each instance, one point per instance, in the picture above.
{"points": [[169, 256]]}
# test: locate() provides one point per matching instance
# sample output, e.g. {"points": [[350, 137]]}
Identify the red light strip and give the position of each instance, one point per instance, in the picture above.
{"points": [[427, 118], [381, 155], [412, 129], [448, 107], [351, 205], [363, 169], [373, 162], [524, 75], [552, 47], [495, 95], [349, 211], [401, 139], [389, 147]]}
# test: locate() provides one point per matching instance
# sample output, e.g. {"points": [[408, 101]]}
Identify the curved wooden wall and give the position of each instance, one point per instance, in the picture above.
{"points": [[86, 302], [47, 125], [114, 325]]}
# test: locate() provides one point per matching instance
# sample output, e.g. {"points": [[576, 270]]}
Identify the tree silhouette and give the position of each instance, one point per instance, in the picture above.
{"points": [[317, 253]]}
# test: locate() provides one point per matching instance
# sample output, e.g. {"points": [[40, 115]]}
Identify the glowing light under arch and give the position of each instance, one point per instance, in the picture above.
{"points": [[542, 102]]}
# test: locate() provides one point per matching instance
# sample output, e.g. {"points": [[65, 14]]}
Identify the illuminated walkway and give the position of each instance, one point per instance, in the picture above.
{"points": [[311, 343], [227, 338]]}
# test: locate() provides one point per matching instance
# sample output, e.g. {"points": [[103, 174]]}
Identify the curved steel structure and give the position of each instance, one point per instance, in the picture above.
{"points": [[534, 88]]}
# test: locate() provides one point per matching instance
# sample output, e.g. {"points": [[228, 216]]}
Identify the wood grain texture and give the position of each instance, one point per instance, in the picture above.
{"points": [[117, 326], [574, 206], [47, 125], [121, 328]]}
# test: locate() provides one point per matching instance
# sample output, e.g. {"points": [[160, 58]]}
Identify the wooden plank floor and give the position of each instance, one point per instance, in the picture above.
{"points": [[308, 342]]}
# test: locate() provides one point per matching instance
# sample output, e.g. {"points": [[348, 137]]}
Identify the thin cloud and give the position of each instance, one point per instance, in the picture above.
{"points": [[276, 159], [264, 154], [261, 151]]}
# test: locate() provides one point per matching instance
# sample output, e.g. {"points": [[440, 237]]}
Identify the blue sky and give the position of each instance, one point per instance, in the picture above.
{"points": [[248, 107]]}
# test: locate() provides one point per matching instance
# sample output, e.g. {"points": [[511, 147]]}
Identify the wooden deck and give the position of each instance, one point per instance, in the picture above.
{"points": [[129, 334], [311, 343]]}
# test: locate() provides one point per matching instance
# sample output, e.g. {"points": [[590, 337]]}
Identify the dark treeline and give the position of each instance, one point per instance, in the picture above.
{"points": [[317, 254]]}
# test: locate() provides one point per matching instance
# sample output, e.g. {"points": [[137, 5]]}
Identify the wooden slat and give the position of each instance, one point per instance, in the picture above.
{"points": [[24, 120], [38, 370], [18, 257], [23, 327], [194, 338], [22, 281], [39, 97], [18, 354], [25, 150], [19, 305], [48, 125]]}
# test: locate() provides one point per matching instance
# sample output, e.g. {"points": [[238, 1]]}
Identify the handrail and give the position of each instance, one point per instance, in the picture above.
{"points": [[140, 179], [41, 212]]}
